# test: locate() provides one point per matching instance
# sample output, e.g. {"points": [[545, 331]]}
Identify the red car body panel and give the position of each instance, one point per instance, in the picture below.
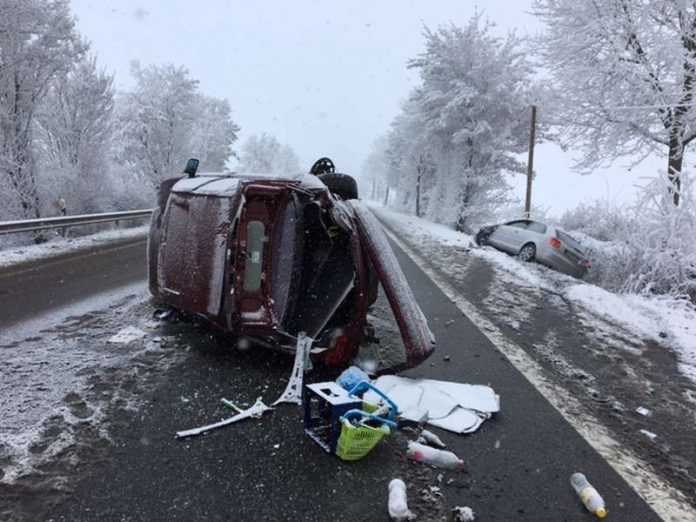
{"points": [[266, 258]]}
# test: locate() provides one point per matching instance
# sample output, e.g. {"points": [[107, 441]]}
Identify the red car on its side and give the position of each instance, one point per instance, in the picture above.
{"points": [[266, 257]]}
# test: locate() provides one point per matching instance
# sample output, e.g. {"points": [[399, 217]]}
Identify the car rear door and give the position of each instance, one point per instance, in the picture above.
{"points": [[509, 236]]}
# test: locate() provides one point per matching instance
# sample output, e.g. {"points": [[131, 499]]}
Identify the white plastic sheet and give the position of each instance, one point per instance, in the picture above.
{"points": [[453, 406]]}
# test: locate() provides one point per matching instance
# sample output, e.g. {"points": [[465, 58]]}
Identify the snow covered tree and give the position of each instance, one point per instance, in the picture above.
{"points": [[265, 154], [214, 132], [374, 169], [37, 43], [75, 128], [625, 75], [165, 120], [460, 131]]}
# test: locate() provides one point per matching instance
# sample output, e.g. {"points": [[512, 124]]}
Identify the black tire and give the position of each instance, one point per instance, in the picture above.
{"points": [[342, 185], [527, 253]]}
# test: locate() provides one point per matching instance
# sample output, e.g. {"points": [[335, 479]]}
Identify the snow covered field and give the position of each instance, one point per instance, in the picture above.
{"points": [[59, 245], [666, 320]]}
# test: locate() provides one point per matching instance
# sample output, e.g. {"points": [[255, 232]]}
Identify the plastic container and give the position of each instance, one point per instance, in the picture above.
{"points": [[431, 439], [356, 441], [398, 504], [588, 494], [434, 457]]}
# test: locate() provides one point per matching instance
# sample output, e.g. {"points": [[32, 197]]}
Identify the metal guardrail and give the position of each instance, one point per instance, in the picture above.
{"points": [[29, 225]]}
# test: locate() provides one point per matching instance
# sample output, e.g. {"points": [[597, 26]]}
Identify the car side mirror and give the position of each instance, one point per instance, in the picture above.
{"points": [[191, 167]]}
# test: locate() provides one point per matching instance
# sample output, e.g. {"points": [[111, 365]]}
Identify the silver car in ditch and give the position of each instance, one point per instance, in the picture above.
{"points": [[534, 241]]}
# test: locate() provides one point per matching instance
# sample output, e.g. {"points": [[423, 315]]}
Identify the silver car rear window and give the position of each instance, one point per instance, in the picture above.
{"points": [[540, 228], [568, 240]]}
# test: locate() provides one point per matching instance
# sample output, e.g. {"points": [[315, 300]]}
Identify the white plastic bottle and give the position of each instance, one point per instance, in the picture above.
{"points": [[431, 439], [434, 457], [589, 496], [398, 505]]}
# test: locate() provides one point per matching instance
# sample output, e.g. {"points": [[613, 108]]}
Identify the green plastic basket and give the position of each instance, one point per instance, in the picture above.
{"points": [[355, 442]]}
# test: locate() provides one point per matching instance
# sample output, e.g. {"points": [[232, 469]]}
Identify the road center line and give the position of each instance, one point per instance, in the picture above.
{"points": [[668, 502]]}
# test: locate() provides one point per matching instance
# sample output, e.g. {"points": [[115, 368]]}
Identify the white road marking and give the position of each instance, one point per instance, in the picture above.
{"points": [[668, 502]]}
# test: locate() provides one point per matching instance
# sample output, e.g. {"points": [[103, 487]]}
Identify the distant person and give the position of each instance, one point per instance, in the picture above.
{"points": [[62, 206]]}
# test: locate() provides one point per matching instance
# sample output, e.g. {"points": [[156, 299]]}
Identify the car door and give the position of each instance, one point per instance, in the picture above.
{"points": [[509, 236]]}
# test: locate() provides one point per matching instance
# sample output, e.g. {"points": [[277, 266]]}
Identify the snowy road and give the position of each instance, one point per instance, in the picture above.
{"points": [[96, 423], [32, 289]]}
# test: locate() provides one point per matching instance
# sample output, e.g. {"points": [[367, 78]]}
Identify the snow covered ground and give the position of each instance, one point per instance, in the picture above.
{"points": [[666, 320], [61, 377], [59, 245]]}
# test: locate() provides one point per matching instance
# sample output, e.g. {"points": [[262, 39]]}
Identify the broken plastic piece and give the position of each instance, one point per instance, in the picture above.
{"points": [[255, 411], [231, 405], [649, 434], [398, 504], [645, 412], [463, 514], [127, 335], [162, 314], [293, 391]]}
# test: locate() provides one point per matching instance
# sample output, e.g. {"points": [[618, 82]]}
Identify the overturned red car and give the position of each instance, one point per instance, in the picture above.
{"points": [[267, 257]]}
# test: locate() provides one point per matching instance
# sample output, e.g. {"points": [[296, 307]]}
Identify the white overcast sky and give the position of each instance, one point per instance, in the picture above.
{"points": [[326, 77]]}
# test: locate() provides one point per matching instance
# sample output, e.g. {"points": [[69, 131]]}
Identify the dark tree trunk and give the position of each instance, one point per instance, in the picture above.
{"points": [[674, 167]]}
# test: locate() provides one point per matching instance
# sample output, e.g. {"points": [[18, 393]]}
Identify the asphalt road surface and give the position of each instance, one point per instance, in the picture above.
{"points": [[39, 287], [518, 463]]}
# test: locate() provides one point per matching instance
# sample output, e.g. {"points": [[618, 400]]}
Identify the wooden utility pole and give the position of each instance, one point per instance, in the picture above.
{"points": [[530, 166]]}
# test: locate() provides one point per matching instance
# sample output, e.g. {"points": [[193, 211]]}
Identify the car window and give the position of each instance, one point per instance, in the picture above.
{"points": [[535, 226], [568, 240], [517, 224]]}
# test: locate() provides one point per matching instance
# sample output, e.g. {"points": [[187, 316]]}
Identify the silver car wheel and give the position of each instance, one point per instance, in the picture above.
{"points": [[527, 252]]}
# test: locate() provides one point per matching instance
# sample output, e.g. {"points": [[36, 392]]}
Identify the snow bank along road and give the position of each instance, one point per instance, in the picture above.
{"points": [[88, 432]]}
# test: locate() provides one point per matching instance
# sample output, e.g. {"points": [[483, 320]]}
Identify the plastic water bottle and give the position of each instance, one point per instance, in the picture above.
{"points": [[431, 439], [589, 496], [434, 457], [398, 506]]}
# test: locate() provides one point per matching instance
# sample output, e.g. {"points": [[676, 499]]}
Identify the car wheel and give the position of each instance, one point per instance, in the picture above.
{"points": [[480, 239], [527, 252], [342, 185]]}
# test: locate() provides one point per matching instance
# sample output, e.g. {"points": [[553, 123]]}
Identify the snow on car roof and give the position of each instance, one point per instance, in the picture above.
{"points": [[226, 184]]}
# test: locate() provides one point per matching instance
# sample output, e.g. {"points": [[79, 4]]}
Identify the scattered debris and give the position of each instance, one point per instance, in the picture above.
{"points": [[649, 434], [127, 335], [446, 358], [231, 405], [293, 391], [431, 439], [463, 514], [398, 504], [162, 313], [431, 494], [645, 412], [456, 407], [325, 403], [434, 457], [592, 500], [255, 411], [350, 377]]}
